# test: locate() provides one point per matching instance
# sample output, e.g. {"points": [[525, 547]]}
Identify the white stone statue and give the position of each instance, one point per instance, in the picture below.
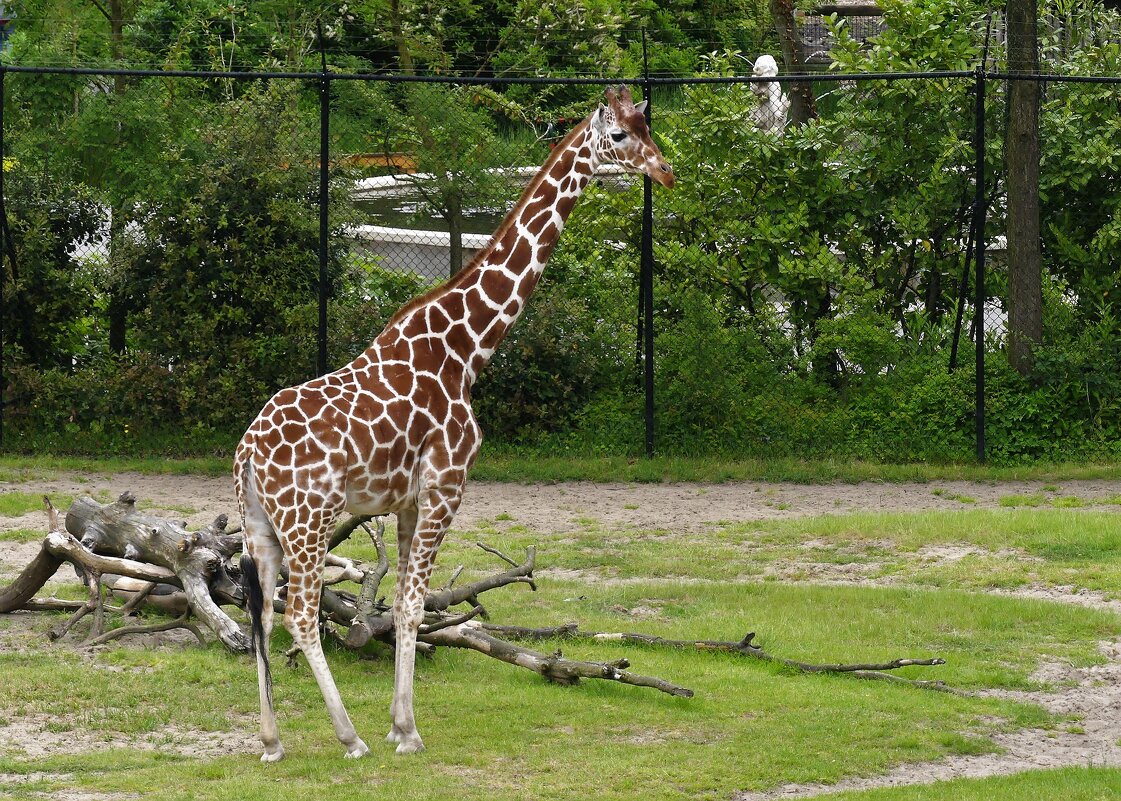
{"points": [[773, 107]]}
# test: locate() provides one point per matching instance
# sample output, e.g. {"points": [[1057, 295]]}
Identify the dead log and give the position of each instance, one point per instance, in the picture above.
{"points": [[106, 538], [555, 668], [743, 647], [21, 591]]}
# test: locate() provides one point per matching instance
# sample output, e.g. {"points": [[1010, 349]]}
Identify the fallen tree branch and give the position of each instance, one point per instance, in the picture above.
{"points": [[519, 573], [17, 594], [555, 668], [180, 622], [744, 647]]}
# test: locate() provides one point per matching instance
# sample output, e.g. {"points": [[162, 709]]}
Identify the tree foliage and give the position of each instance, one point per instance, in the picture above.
{"points": [[807, 284]]}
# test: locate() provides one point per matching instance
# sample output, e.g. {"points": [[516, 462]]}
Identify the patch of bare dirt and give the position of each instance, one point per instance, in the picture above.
{"points": [[570, 507], [36, 735], [14, 780], [1093, 704], [15, 556]]}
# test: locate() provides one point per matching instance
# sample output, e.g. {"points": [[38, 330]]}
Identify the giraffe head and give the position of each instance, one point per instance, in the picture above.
{"points": [[624, 139]]}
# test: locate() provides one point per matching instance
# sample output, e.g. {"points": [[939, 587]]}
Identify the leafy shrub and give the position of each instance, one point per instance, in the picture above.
{"points": [[545, 370]]}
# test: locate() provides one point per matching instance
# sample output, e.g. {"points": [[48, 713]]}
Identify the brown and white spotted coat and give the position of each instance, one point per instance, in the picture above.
{"points": [[393, 431]]}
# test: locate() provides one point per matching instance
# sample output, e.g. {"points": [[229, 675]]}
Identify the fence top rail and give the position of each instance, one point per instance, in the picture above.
{"points": [[812, 77], [477, 80], [1047, 77]]}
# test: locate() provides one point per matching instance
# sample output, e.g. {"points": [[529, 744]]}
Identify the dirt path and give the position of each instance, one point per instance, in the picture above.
{"points": [[560, 508], [1095, 697]]}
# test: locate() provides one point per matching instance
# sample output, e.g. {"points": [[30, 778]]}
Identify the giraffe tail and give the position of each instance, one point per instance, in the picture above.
{"points": [[255, 601]]}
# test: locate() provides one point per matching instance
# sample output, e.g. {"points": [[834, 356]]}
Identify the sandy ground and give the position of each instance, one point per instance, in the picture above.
{"points": [[1092, 694], [560, 508]]}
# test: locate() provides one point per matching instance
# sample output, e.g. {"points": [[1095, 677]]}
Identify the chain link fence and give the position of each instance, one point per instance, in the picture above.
{"points": [[180, 245]]}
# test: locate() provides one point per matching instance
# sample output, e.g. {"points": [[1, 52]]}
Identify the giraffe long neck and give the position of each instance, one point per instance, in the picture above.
{"points": [[465, 319]]}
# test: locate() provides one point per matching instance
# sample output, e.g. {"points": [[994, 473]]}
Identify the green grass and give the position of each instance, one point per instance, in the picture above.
{"points": [[513, 736], [1009, 548], [15, 503], [506, 465], [26, 468], [24, 534], [496, 732]]}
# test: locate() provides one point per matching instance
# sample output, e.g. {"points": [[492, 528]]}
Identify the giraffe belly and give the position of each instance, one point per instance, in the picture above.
{"points": [[379, 496]]}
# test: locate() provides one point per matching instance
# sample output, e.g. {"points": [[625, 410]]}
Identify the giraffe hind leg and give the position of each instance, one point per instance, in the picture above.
{"points": [[260, 565], [406, 525], [301, 618]]}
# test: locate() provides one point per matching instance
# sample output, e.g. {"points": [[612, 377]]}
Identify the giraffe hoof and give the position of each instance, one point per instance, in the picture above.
{"points": [[410, 746], [357, 750], [273, 755]]}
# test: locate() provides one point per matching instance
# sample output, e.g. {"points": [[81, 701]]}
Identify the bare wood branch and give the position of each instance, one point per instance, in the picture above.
{"points": [[454, 576], [937, 686], [97, 598], [429, 628], [138, 598], [52, 605], [195, 562], [58, 632], [68, 548], [522, 633], [744, 647], [180, 622], [364, 625], [344, 529], [497, 553], [439, 601], [554, 668], [37, 573]]}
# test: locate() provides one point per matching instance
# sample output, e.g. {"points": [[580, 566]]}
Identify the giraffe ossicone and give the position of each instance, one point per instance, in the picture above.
{"points": [[393, 431]]}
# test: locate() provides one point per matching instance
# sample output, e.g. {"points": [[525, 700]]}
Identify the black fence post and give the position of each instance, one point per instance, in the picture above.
{"points": [[647, 271], [979, 216], [4, 251], [324, 198]]}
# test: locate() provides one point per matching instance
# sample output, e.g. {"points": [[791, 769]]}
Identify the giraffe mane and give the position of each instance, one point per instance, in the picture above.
{"points": [[466, 274]]}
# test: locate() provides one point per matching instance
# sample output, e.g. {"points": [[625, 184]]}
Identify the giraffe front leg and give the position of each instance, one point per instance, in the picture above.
{"points": [[438, 506], [403, 731]]}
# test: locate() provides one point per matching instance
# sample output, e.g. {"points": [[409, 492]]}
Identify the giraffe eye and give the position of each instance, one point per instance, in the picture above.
{"points": [[618, 136]]}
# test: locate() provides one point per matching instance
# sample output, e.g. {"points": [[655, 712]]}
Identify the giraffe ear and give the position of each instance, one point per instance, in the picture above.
{"points": [[641, 107], [599, 118]]}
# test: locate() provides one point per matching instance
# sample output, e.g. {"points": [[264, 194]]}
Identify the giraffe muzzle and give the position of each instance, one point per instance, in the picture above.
{"points": [[662, 174]]}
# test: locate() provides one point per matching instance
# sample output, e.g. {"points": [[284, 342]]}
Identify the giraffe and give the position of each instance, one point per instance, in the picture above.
{"points": [[393, 432]]}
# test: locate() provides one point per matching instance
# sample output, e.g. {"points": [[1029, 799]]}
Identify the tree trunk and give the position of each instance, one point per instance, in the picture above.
{"points": [[404, 55], [1021, 154], [803, 108], [118, 304]]}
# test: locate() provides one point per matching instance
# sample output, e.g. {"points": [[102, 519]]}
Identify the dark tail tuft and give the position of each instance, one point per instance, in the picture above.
{"points": [[255, 601]]}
